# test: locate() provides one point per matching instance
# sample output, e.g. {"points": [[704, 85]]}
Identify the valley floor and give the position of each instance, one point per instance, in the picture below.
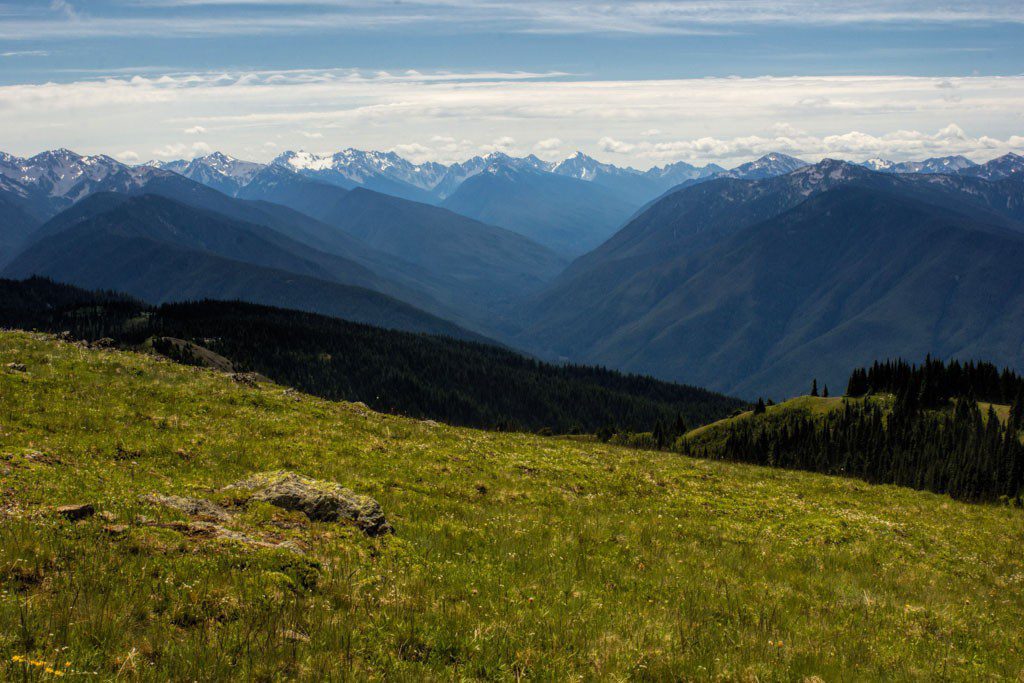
{"points": [[514, 557]]}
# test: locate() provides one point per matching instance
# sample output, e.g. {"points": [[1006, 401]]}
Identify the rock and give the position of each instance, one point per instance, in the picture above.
{"points": [[249, 379], [76, 512], [103, 343], [115, 529], [194, 507], [17, 367], [40, 458], [321, 501], [64, 336]]}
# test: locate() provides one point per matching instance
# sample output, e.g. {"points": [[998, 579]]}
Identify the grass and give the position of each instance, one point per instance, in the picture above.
{"points": [[515, 557], [715, 433]]}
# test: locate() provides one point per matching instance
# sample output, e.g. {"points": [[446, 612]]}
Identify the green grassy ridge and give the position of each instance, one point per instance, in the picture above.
{"points": [[714, 434], [515, 556]]}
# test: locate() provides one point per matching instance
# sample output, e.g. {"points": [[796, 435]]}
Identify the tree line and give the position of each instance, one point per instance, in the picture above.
{"points": [[934, 437], [417, 375]]}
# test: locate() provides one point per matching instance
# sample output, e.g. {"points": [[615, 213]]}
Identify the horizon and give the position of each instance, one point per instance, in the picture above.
{"points": [[158, 163]]}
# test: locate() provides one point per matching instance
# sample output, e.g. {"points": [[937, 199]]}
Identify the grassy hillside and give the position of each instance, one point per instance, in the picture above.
{"points": [[514, 556], [713, 434]]}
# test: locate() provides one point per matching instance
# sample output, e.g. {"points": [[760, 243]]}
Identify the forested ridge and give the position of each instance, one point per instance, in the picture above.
{"points": [[930, 434], [417, 375]]}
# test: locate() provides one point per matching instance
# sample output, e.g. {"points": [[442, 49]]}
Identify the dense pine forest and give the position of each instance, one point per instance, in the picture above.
{"points": [[417, 375], [934, 437]]}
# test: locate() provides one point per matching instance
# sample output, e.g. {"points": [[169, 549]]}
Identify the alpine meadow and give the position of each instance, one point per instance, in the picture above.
{"points": [[556, 340]]}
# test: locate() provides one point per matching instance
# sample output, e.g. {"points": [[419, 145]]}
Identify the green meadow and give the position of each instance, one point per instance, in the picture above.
{"points": [[515, 557]]}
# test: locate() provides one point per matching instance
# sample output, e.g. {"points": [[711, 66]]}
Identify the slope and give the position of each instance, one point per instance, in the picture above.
{"points": [[851, 274], [410, 374], [489, 263], [160, 250], [512, 554]]}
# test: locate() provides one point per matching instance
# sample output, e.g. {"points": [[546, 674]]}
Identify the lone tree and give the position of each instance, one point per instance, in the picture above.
{"points": [[824, 393], [760, 407], [814, 387]]}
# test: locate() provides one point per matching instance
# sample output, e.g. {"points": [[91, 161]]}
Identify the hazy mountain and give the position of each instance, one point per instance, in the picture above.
{"points": [[56, 179], [735, 284], [488, 263], [279, 185], [766, 167], [951, 164], [1006, 166], [673, 174], [219, 171], [457, 174], [434, 278], [567, 215], [16, 226], [163, 250]]}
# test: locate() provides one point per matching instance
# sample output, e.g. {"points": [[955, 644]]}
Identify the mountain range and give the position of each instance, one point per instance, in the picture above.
{"points": [[758, 285], [749, 280]]}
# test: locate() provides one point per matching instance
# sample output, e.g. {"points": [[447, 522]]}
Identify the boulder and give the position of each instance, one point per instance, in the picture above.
{"points": [[17, 367], [321, 501]]}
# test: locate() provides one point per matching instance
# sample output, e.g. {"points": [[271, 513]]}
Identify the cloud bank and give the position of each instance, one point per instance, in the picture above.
{"points": [[449, 116]]}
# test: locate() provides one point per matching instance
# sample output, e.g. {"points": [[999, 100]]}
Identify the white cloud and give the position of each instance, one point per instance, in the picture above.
{"points": [[413, 151], [64, 9], [25, 53], [311, 135], [855, 145], [456, 115], [505, 144], [128, 156], [548, 145], [179, 150], [615, 146], [195, 130]]}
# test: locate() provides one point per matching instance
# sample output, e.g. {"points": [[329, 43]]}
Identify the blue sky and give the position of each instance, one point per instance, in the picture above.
{"points": [[629, 81]]}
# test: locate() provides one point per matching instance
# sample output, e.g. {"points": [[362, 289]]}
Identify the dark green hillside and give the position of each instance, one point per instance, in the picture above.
{"points": [[411, 374], [926, 431]]}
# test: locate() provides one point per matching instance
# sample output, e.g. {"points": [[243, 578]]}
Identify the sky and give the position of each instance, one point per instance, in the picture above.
{"points": [[631, 82]]}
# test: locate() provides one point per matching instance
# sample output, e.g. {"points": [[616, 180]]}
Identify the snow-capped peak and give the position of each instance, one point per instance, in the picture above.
{"points": [[878, 164], [358, 166], [585, 167], [772, 164]]}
